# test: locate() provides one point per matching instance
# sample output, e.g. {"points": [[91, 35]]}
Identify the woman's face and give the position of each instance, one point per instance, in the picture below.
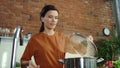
{"points": [[50, 20]]}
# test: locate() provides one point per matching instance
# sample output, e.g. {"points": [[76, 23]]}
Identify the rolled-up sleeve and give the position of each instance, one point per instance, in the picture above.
{"points": [[29, 50]]}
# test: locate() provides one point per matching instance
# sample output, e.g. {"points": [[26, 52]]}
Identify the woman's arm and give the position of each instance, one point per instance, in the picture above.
{"points": [[24, 64], [30, 64]]}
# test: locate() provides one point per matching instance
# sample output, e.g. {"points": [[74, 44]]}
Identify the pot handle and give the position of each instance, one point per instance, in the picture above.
{"points": [[61, 60], [100, 60]]}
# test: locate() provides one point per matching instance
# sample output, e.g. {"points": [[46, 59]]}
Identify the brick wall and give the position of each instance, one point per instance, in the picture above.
{"points": [[87, 17]]}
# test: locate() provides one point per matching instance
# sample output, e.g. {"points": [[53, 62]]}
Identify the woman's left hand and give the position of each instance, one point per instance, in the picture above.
{"points": [[33, 65]]}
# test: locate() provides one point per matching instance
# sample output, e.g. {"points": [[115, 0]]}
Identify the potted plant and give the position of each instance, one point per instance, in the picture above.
{"points": [[115, 42], [108, 48], [105, 50], [17, 65]]}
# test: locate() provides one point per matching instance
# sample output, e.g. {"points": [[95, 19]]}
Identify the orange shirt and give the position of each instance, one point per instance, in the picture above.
{"points": [[46, 50]]}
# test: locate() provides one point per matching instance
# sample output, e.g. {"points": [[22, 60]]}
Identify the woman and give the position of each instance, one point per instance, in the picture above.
{"points": [[47, 46]]}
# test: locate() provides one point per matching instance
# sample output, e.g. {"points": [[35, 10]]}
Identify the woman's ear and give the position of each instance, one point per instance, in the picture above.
{"points": [[42, 19]]}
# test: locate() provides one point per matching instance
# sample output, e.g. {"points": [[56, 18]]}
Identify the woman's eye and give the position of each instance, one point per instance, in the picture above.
{"points": [[49, 16], [56, 17]]}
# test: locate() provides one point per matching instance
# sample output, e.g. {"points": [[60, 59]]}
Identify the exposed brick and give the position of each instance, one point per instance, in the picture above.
{"points": [[87, 17]]}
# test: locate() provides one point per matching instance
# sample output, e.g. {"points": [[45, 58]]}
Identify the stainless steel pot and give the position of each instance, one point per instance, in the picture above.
{"points": [[82, 62], [80, 59]]}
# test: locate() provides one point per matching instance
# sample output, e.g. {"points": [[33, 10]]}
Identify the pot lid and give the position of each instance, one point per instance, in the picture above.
{"points": [[80, 46]]}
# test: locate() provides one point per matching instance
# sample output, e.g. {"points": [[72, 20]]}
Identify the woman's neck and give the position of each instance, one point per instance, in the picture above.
{"points": [[49, 32]]}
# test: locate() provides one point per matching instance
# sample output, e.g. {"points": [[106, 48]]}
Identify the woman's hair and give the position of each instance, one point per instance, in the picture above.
{"points": [[45, 9]]}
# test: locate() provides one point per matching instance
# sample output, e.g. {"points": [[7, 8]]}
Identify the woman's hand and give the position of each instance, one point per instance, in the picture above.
{"points": [[33, 65]]}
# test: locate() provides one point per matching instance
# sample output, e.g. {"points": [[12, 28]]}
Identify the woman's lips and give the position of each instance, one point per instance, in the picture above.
{"points": [[53, 24]]}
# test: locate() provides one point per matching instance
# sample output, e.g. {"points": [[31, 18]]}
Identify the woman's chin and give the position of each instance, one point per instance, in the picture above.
{"points": [[51, 28]]}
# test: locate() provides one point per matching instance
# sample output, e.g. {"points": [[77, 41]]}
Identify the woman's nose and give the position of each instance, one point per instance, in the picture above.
{"points": [[54, 19]]}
